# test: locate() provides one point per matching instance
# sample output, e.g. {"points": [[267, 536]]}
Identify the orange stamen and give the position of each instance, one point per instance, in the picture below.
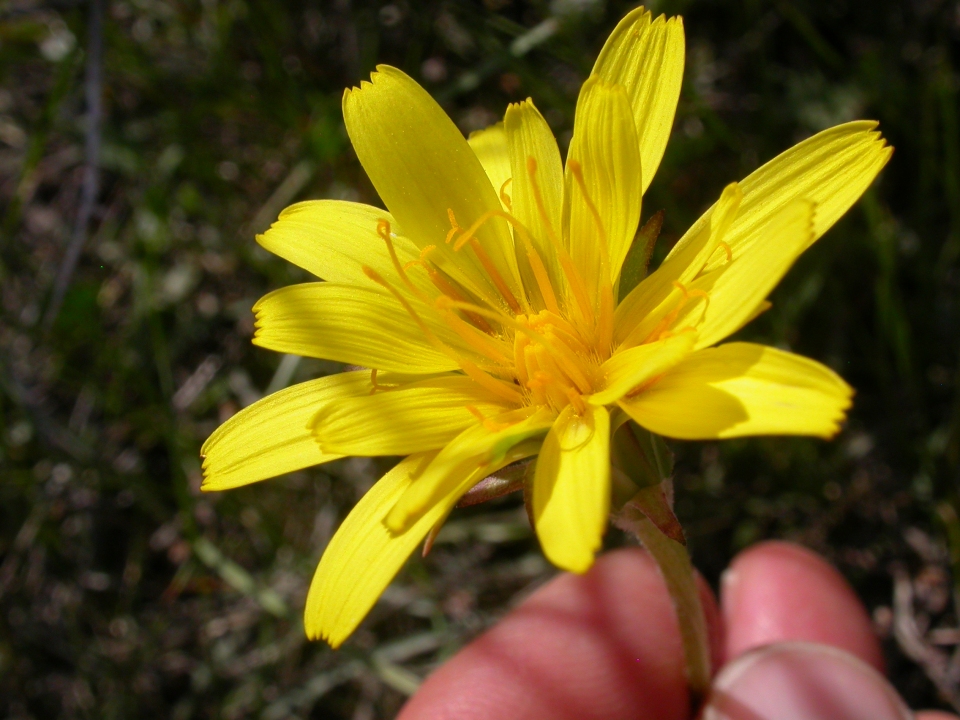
{"points": [[562, 326], [536, 262], [495, 275], [726, 249], [553, 379], [504, 198], [542, 278], [431, 338], [443, 303], [605, 322], [577, 286], [383, 230], [487, 423], [570, 364], [577, 171], [495, 386], [670, 317], [481, 342], [576, 400], [445, 287], [454, 226], [482, 255], [476, 413], [541, 206], [554, 346]]}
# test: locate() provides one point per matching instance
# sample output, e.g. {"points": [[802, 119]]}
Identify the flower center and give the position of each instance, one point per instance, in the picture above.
{"points": [[552, 363], [557, 350]]}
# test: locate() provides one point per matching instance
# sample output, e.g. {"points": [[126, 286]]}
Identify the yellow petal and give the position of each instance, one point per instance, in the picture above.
{"points": [[742, 285], [743, 389], [271, 437], [454, 468], [422, 167], [605, 146], [571, 488], [831, 169], [354, 325], [627, 369], [490, 147], [416, 417], [334, 239], [530, 138], [364, 556], [647, 59], [657, 295]]}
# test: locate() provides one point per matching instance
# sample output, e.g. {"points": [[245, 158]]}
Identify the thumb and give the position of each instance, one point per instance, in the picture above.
{"points": [[802, 681]]}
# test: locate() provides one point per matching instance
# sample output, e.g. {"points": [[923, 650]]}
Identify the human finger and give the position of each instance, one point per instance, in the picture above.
{"points": [[778, 591], [802, 681], [604, 645]]}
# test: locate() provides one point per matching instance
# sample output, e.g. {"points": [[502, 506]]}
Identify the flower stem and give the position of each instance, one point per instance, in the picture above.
{"points": [[642, 517]]}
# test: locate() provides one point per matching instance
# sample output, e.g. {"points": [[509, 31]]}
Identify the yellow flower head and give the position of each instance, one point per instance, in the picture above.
{"points": [[487, 303]]}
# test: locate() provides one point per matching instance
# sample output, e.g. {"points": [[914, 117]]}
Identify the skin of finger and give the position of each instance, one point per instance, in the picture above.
{"points": [[779, 591], [601, 645], [802, 681]]}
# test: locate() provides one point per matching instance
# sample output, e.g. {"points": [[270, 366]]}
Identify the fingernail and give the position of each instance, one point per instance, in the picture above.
{"points": [[802, 681]]}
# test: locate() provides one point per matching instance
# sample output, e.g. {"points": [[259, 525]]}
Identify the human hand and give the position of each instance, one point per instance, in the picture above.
{"points": [[605, 645]]}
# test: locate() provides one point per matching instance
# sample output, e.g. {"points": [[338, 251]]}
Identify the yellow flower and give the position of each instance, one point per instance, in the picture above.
{"points": [[486, 303]]}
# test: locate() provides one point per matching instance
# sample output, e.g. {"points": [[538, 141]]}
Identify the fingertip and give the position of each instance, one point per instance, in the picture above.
{"points": [[779, 591], [602, 645], [802, 681]]}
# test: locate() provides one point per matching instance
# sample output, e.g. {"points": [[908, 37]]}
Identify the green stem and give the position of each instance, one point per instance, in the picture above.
{"points": [[675, 566]]}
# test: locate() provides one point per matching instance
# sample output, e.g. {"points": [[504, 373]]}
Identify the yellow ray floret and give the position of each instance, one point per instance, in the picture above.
{"points": [[483, 305], [571, 495], [743, 389]]}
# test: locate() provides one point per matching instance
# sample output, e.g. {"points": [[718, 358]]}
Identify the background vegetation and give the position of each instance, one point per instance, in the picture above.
{"points": [[125, 593]]}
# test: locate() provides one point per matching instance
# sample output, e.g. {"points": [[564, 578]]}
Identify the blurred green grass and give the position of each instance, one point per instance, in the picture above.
{"points": [[125, 592]]}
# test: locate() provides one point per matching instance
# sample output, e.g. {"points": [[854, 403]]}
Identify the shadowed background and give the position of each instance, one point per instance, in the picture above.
{"points": [[125, 327]]}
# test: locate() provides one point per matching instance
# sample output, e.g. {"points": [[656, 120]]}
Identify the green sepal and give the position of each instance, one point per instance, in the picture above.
{"points": [[637, 261]]}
